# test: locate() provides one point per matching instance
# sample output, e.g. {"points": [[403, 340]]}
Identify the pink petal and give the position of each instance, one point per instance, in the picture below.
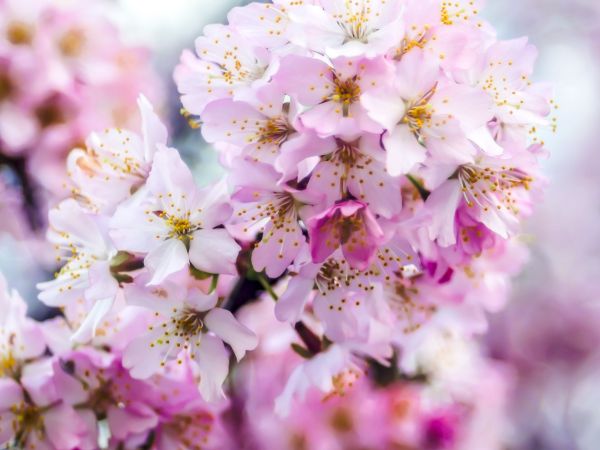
{"points": [[213, 360], [170, 257], [214, 251], [225, 325], [153, 130], [403, 151]]}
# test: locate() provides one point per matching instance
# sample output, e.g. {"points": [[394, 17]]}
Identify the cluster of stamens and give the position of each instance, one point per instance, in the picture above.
{"points": [[452, 10], [419, 113], [492, 188], [414, 313], [181, 331], [346, 92], [355, 20]]}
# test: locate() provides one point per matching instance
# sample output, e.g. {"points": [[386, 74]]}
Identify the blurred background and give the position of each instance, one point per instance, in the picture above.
{"points": [[548, 336]]}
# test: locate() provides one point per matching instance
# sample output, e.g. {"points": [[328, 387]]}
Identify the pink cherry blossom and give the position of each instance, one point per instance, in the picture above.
{"points": [[349, 225], [117, 162], [178, 222], [333, 91], [273, 209], [81, 237], [226, 66], [357, 168], [341, 28], [188, 323], [423, 114]]}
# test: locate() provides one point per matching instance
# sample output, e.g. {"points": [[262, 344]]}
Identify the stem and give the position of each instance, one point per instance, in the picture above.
{"points": [[424, 193], [310, 339], [266, 286]]}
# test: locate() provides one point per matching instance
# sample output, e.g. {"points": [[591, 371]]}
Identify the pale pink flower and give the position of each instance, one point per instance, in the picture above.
{"points": [[173, 223], [81, 238], [342, 28], [492, 191], [424, 113], [226, 66], [356, 168], [37, 415], [504, 72], [116, 162], [332, 92], [188, 323], [263, 205], [330, 370], [451, 32], [261, 129]]}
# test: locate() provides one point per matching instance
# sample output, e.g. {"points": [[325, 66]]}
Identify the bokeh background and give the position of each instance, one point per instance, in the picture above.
{"points": [[548, 336]]}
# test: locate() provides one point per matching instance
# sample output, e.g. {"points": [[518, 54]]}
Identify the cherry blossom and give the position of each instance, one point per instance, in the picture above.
{"points": [[179, 222]]}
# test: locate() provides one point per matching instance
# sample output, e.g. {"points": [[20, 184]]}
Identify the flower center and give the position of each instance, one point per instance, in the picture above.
{"points": [[276, 131], [347, 153], [346, 91], [487, 187], [28, 420], [355, 28], [189, 322], [8, 365], [49, 113], [417, 116], [72, 42], [179, 227], [19, 33]]}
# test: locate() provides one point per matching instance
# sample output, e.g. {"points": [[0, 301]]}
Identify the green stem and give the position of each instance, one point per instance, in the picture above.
{"points": [[266, 286], [424, 193]]}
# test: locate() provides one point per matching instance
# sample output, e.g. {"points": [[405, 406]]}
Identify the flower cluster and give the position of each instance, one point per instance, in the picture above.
{"points": [[56, 397], [64, 71], [380, 157], [460, 406], [143, 250]]}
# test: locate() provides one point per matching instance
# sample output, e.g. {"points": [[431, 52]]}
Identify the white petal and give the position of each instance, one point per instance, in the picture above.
{"points": [[168, 258], [483, 138], [153, 130], [403, 151], [225, 325], [384, 106], [87, 330], [213, 360], [214, 251]]}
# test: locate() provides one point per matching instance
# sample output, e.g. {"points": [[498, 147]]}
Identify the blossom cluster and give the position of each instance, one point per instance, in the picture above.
{"points": [[460, 406], [380, 157], [53, 396], [64, 71]]}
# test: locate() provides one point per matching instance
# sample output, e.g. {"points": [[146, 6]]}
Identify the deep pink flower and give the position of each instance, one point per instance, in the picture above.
{"points": [[349, 225]]}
